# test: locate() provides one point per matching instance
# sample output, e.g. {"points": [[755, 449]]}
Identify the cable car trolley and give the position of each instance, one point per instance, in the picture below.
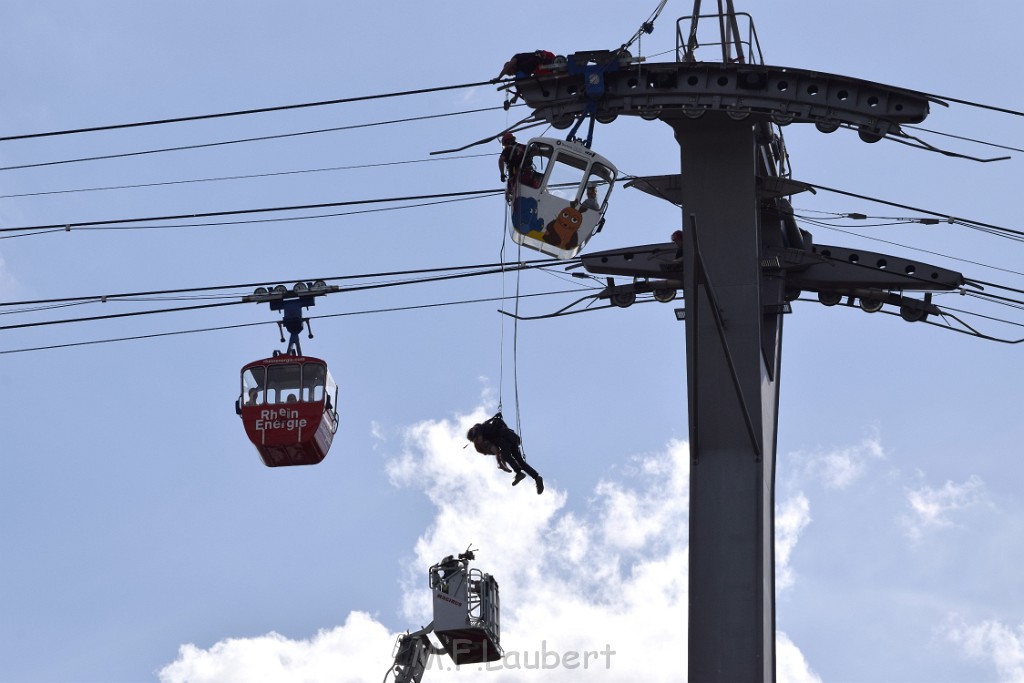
{"points": [[289, 402], [559, 196]]}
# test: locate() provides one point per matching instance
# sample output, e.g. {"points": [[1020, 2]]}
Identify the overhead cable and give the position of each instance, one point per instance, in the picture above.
{"points": [[257, 220], [242, 177], [110, 316], [979, 105], [961, 137], [356, 288], [243, 112], [961, 259], [970, 331], [992, 284], [260, 138], [271, 322], [236, 212], [965, 222], [444, 198], [534, 263], [982, 316], [995, 298], [961, 221], [286, 219]]}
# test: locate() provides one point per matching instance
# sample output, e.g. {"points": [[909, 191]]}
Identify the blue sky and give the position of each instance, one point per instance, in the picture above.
{"points": [[144, 540]]}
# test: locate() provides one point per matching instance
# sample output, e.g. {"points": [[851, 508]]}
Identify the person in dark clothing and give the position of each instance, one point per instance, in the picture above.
{"points": [[493, 435], [511, 158], [513, 168], [524, 64], [496, 452], [677, 239]]}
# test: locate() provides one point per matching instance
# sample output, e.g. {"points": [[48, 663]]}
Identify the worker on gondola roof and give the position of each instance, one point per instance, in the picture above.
{"points": [[524, 64]]}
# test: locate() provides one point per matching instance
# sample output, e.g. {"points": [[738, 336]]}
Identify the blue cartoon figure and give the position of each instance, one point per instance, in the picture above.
{"points": [[525, 218]]}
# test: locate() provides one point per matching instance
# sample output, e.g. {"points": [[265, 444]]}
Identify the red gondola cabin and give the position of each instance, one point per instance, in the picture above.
{"points": [[289, 407]]}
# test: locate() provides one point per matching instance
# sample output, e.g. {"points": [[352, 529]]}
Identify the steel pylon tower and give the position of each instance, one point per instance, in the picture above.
{"points": [[742, 260]]}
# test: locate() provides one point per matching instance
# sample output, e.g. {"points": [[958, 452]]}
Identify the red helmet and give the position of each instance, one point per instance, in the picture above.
{"points": [[507, 138]]}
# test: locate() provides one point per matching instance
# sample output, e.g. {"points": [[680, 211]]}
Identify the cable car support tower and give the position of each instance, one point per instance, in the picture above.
{"points": [[741, 262]]}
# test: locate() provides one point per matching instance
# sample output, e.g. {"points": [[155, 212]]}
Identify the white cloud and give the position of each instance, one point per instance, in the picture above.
{"points": [[610, 580], [377, 432], [1001, 645], [790, 665], [791, 517], [932, 508], [344, 654], [840, 468]]}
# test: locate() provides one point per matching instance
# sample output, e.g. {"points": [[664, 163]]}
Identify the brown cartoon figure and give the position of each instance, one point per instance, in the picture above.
{"points": [[561, 232]]}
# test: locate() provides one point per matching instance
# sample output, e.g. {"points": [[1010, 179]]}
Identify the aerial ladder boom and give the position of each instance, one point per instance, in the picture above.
{"points": [[466, 621]]}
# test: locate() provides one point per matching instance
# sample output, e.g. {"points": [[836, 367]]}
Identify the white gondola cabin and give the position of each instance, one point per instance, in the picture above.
{"points": [[560, 196]]}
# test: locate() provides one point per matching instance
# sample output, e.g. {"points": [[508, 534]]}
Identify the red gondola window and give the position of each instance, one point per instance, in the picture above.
{"points": [[284, 383], [252, 386], [314, 377], [332, 396]]}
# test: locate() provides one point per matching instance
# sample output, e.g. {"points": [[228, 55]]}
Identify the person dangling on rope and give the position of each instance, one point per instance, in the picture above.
{"points": [[493, 435], [491, 449]]}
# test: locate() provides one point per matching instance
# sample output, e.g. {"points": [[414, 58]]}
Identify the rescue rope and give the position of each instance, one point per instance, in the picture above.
{"points": [[515, 357], [501, 322]]}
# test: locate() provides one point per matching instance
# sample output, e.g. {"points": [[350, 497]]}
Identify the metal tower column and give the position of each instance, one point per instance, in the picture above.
{"points": [[733, 398]]}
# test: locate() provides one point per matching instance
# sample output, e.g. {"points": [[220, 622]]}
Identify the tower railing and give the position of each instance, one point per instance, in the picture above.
{"points": [[733, 35]]}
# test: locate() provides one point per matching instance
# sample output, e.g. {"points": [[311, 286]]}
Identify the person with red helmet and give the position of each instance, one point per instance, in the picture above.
{"points": [[511, 157], [524, 64], [509, 162]]}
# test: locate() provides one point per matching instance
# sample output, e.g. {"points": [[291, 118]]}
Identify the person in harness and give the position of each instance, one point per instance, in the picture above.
{"points": [[511, 157], [494, 435], [491, 449], [512, 169], [525, 64]]}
